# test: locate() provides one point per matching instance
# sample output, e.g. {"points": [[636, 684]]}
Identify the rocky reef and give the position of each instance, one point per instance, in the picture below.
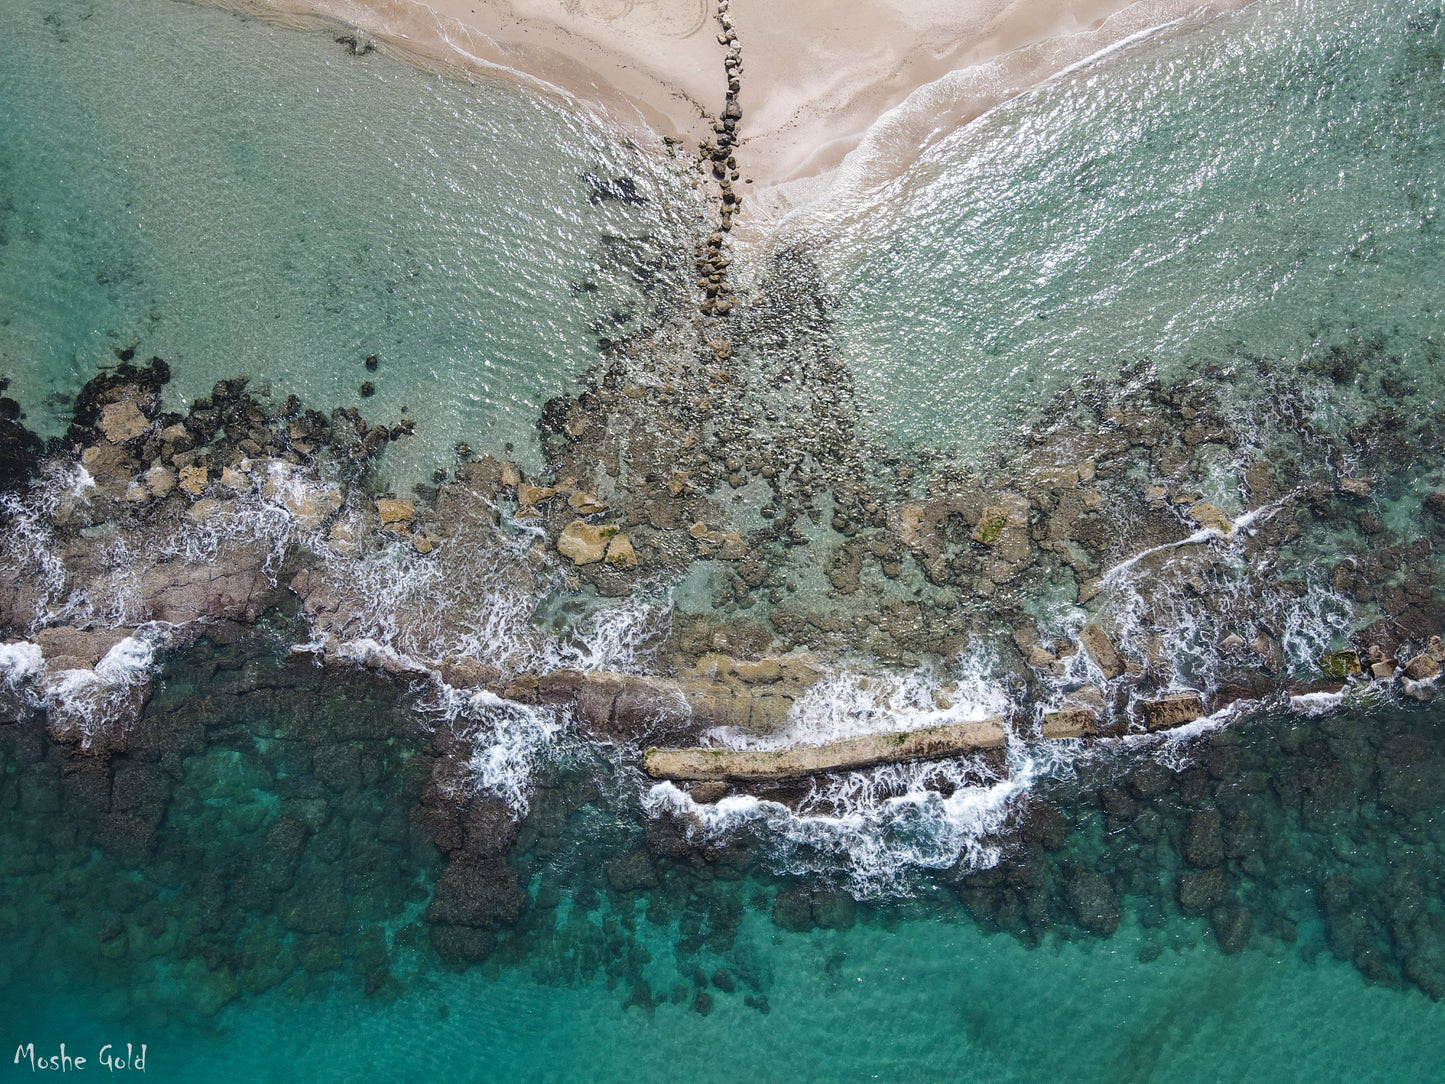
{"points": [[1148, 560]]}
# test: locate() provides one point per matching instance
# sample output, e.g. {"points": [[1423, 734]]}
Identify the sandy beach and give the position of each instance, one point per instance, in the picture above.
{"points": [[817, 76]]}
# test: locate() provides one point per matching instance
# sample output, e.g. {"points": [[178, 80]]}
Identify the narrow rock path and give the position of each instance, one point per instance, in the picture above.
{"points": [[718, 159]]}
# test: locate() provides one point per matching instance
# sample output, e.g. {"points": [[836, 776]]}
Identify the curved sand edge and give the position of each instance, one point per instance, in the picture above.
{"points": [[817, 76]]}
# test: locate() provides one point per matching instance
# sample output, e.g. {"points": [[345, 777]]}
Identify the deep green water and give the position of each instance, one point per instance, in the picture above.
{"points": [[242, 198], [599, 981]]}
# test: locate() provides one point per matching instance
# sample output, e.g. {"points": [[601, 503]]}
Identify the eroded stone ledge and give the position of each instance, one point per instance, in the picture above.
{"points": [[749, 765]]}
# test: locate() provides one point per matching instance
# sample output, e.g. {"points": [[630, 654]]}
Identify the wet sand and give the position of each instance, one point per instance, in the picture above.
{"points": [[817, 76]]}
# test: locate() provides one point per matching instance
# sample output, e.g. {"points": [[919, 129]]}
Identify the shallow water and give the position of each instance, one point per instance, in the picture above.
{"points": [[1248, 209], [241, 198], [1267, 184]]}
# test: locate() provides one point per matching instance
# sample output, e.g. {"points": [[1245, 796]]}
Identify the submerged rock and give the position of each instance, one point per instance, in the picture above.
{"points": [[1094, 902]]}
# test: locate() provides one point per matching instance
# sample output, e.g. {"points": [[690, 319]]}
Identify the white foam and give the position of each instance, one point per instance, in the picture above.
{"points": [[873, 846], [614, 637], [90, 702], [20, 662], [378, 656], [1316, 703], [511, 742], [852, 704]]}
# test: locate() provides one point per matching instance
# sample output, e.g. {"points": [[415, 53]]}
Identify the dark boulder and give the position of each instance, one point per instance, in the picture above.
{"points": [[632, 872], [1204, 839], [461, 946], [793, 910], [476, 892]]}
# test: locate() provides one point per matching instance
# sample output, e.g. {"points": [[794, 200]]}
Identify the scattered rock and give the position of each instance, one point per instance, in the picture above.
{"points": [[1207, 515], [1422, 668], [159, 481], [529, 496], [585, 504], [194, 479], [620, 553]]}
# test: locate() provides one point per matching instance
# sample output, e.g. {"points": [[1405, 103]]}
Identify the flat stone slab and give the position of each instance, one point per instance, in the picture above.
{"points": [[1070, 723], [744, 765], [1170, 711], [1102, 650]]}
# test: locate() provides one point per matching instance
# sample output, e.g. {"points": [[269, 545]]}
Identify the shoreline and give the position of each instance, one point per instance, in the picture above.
{"points": [[878, 77]]}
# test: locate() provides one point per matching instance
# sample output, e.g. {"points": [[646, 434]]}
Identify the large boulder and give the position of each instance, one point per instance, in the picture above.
{"points": [[585, 543], [1171, 711], [123, 422]]}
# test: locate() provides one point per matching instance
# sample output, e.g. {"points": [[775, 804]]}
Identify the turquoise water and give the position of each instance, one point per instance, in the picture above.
{"points": [[241, 198], [237, 197], [1268, 184], [927, 1001]]}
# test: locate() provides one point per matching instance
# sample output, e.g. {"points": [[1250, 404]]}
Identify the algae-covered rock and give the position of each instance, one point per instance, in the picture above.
{"points": [[620, 553], [1341, 664]]}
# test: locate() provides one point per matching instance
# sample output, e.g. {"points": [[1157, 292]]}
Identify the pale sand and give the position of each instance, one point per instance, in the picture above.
{"points": [[817, 74]]}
